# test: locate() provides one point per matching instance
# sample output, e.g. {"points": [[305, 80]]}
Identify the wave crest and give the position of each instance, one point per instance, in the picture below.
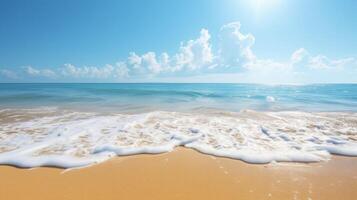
{"points": [[68, 139]]}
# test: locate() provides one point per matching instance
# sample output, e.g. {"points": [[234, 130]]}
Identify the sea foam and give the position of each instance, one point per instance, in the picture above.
{"points": [[67, 139]]}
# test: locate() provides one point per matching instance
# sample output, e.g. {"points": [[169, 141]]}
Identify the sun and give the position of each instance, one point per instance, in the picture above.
{"points": [[260, 6]]}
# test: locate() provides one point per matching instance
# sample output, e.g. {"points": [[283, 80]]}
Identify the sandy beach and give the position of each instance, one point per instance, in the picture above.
{"points": [[184, 174], [178, 100]]}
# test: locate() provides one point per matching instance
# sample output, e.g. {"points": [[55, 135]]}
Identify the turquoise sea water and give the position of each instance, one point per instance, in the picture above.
{"points": [[181, 97], [75, 125]]}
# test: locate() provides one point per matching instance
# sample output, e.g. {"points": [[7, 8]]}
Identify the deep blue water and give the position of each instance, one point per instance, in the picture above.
{"points": [[178, 97]]}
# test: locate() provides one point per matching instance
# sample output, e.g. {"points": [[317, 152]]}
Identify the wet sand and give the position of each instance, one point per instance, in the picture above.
{"points": [[183, 174]]}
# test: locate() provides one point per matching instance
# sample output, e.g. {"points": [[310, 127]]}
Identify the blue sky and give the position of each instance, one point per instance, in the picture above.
{"points": [[260, 41]]}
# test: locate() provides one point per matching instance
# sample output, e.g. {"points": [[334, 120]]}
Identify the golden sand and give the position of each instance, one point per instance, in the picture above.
{"points": [[183, 174]]}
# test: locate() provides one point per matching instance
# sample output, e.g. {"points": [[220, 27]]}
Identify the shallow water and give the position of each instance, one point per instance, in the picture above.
{"points": [[73, 125], [136, 98]]}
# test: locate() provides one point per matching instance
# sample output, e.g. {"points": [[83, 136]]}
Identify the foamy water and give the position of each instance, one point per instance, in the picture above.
{"points": [[47, 136]]}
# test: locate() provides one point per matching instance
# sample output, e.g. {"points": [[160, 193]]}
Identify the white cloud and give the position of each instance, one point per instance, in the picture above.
{"points": [[323, 62], [32, 71], [192, 55], [235, 47], [319, 62], [234, 55], [236, 51], [302, 59], [266, 65], [40, 72], [134, 60], [195, 53], [150, 62], [8, 74], [108, 71], [299, 55], [121, 70], [87, 72], [165, 60]]}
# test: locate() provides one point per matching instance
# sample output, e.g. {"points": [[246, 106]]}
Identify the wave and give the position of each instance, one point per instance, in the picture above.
{"points": [[67, 139], [180, 97], [154, 92]]}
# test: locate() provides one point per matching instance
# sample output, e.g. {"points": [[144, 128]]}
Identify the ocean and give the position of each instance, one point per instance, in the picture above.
{"points": [[137, 98], [75, 125]]}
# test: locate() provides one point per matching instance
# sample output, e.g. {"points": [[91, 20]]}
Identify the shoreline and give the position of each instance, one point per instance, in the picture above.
{"points": [[72, 139], [184, 174]]}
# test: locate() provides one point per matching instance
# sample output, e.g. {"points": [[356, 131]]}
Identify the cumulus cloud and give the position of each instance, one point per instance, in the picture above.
{"points": [[107, 71], [192, 55], [89, 72], [195, 53], [236, 51], [235, 47], [323, 62], [121, 70], [233, 53], [151, 63], [48, 73], [134, 60], [118, 70]]}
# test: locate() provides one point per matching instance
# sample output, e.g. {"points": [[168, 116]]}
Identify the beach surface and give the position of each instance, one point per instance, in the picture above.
{"points": [[184, 174]]}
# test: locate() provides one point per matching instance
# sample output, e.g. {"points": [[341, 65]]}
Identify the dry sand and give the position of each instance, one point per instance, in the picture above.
{"points": [[183, 174]]}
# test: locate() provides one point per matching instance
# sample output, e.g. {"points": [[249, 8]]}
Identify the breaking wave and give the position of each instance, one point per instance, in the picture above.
{"points": [[67, 139]]}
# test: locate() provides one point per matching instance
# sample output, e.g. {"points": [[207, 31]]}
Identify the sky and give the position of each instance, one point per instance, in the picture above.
{"points": [[243, 41]]}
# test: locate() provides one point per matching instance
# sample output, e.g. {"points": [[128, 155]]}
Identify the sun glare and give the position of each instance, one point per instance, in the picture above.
{"points": [[260, 6]]}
